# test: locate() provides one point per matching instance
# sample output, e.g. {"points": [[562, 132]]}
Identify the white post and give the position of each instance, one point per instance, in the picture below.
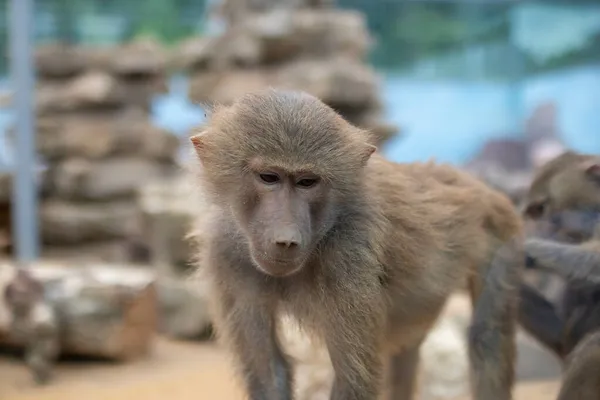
{"points": [[24, 193]]}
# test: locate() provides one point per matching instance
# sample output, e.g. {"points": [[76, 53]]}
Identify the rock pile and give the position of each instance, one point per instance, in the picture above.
{"points": [[95, 134], [508, 164], [300, 45]]}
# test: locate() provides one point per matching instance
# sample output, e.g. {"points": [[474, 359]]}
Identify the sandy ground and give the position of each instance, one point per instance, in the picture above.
{"points": [[176, 371]]}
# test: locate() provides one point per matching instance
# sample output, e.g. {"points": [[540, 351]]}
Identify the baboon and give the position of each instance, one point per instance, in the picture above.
{"points": [[565, 195], [581, 379], [35, 321], [311, 221]]}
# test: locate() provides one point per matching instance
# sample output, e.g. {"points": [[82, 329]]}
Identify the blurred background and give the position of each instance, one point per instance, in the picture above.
{"points": [[497, 87]]}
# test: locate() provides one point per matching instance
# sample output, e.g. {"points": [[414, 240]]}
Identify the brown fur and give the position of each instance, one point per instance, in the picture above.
{"points": [[374, 249], [565, 195], [582, 373]]}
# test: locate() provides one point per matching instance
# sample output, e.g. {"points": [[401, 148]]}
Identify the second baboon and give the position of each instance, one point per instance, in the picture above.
{"points": [[581, 379], [565, 195], [310, 221]]}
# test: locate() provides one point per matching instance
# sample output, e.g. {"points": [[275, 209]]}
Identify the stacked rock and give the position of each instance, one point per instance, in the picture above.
{"points": [[293, 44], [96, 137]]}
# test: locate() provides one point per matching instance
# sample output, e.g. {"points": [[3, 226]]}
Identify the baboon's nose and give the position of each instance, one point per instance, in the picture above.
{"points": [[286, 244], [287, 238]]}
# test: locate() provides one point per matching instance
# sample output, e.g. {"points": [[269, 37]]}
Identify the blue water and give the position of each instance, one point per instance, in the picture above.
{"points": [[450, 121], [445, 120]]}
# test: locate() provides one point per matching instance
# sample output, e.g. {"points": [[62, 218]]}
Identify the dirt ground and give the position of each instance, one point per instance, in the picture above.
{"points": [[176, 371]]}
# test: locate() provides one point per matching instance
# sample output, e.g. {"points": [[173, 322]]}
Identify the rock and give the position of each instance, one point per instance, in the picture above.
{"points": [[183, 308], [135, 134], [332, 33], [50, 97], [68, 223], [168, 208], [542, 124], [283, 34], [90, 90], [80, 179], [57, 61], [510, 154], [94, 135], [141, 58], [194, 54], [304, 45], [339, 83], [140, 92], [274, 31], [82, 135], [111, 251], [225, 87], [94, 89], [98, 58], [373, 121], [105, 311], [238, 48]]}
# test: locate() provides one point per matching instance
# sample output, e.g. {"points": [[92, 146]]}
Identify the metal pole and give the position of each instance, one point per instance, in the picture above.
{"points": [[517, 76], [24, 193]]}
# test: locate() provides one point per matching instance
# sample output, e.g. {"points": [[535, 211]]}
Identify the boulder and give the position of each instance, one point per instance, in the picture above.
{"points": [[168, 209], [81, 179], [287, 34], [70, 223], [93, 135], [139, 59], [223, 87], [58, 61], [107, 251], [184, 310], [93, 89], [338, 82]]}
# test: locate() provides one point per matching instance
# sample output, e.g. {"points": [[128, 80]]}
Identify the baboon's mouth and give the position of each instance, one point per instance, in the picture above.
{"points": [[277, 267]]}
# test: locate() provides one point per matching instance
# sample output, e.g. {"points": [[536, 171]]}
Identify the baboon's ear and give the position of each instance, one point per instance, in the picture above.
{"points": [[368, 151], [198, 144]]}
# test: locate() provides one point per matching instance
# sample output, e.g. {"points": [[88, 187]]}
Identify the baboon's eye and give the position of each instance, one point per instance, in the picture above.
{"points": [[593, 172], [535, 210], [269, 178], [307, 182]]}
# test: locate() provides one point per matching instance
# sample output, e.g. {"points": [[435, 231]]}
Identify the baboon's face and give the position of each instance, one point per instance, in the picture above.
{"points": [[568, 209], [284, 164], [283, 213]]}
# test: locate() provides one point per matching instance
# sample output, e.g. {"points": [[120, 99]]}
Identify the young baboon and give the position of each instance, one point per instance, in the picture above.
{"points": [[361, 251], [35, 321], [566, 195]]}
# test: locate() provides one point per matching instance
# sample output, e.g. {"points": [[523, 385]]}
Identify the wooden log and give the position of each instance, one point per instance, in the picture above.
{"points": [[103, 311]]}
